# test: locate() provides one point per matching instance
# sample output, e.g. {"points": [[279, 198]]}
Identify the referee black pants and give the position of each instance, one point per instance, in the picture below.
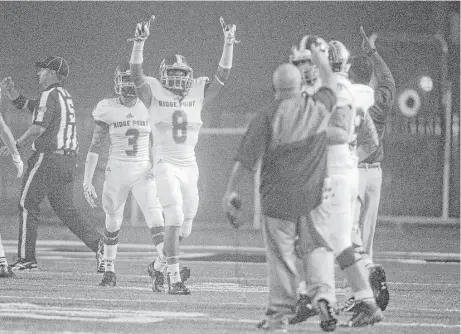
{"points": [[50, 175]]}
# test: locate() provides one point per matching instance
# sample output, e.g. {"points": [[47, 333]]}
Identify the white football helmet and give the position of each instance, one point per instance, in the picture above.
{"points": [[301, 56], [339, 57], [178, 83], [124, 85]]}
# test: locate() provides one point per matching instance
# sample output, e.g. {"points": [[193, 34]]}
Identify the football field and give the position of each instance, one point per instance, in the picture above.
{"points": [[227, 296]]}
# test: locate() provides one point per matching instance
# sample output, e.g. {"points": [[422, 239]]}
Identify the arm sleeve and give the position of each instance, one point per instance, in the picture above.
{"points": [[254, 142], [385, 91]]}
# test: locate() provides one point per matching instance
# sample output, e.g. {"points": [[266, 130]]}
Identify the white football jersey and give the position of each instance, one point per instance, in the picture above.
{"points": [[364, 96], [129, 129], [176, 122]]}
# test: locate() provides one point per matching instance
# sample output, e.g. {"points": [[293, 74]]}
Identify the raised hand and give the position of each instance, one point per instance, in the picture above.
{"points": [[229, 32], [142, 30], [368, 43]]}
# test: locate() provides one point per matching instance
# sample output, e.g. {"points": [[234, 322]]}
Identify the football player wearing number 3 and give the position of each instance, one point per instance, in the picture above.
{"points": [[126, 120], [175, 101]]}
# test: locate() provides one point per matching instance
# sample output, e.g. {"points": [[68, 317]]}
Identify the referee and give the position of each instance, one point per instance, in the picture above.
{"points": [[52, 166]]}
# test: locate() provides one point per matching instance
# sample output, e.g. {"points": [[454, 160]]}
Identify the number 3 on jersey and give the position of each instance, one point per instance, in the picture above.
{"points": [[179, 126], [133, 135]]}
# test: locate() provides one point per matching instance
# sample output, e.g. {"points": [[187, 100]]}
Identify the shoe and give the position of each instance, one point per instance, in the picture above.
{"points": [[100, 257], [378, 284], [349, 306], [304, 310], [158, 279], [23, 264], [178, 288], [184, 273], [366, 313], [273, 323], [6, 272], [109, 279], [328, 320]]}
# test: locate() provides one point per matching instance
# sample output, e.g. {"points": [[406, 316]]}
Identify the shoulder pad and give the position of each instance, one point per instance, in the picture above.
{"points": [[102, 109]]}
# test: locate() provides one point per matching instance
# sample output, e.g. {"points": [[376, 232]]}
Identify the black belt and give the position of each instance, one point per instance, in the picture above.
{"points": [[367, 165]]}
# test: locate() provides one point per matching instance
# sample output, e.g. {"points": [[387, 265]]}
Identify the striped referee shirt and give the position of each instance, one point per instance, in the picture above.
{"points": [[53, 110]]}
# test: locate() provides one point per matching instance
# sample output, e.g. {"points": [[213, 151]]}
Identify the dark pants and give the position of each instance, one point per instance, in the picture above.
{"points": [[50, 175]]}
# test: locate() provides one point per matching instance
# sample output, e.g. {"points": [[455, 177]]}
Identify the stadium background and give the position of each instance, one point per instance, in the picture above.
{"points": [[92, 37]]}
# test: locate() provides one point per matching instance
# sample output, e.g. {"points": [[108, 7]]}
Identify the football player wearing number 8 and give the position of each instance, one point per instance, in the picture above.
{"points": [[175, 101], [52, 166], [126, 121]]}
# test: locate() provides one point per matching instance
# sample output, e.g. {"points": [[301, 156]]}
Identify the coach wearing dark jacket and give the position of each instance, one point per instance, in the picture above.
{"points": [[52, 166]]}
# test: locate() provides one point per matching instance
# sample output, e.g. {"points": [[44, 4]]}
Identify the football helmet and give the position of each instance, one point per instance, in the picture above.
{"points": [[179, 83], [339, 57], [301, 56], [123, 83]]}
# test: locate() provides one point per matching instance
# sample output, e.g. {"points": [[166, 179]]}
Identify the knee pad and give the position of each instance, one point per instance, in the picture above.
{"points": [[347, 258], [174, 215], [113, 222], [186, 228], [155, 218]]}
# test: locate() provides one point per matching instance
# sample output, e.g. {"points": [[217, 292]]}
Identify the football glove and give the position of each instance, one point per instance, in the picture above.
{"points": [[18, 164], [90, 194], [229, 32], [142, 30]]}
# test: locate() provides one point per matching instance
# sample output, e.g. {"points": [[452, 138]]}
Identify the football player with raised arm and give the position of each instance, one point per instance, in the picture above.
{"points": [[10, 148], [335, 215], [175, 102], [125, 120]]}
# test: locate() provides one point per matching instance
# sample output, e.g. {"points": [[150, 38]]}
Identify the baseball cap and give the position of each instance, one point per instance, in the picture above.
{"points": [[57, 64]]}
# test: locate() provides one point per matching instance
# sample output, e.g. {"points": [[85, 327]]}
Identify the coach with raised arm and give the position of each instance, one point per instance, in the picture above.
{"points": [[370, 173], [53, 163]]}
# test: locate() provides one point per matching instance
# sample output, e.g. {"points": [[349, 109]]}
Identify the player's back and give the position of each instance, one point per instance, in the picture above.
{"points": [[176, 121], [129, 129]]}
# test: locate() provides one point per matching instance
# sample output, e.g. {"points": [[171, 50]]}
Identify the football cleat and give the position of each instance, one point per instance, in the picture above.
{"points": [[109, 279], [366, 313], [179, 288], [158, 279], [304, 310], [327, 314], [349, 306], [100, 257], [378, 284], [24, 265], [6, 272]]}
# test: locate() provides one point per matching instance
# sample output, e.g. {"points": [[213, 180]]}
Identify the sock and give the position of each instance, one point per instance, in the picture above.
{"points": [[109, 265], [157, 235], [160, 264], [110, 249], [3, 261], [173, 271]]}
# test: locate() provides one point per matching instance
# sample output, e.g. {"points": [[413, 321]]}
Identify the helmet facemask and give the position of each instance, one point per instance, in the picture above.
{"points": [[301, 57], [339, 57], [177, 77], [124, 85]]}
